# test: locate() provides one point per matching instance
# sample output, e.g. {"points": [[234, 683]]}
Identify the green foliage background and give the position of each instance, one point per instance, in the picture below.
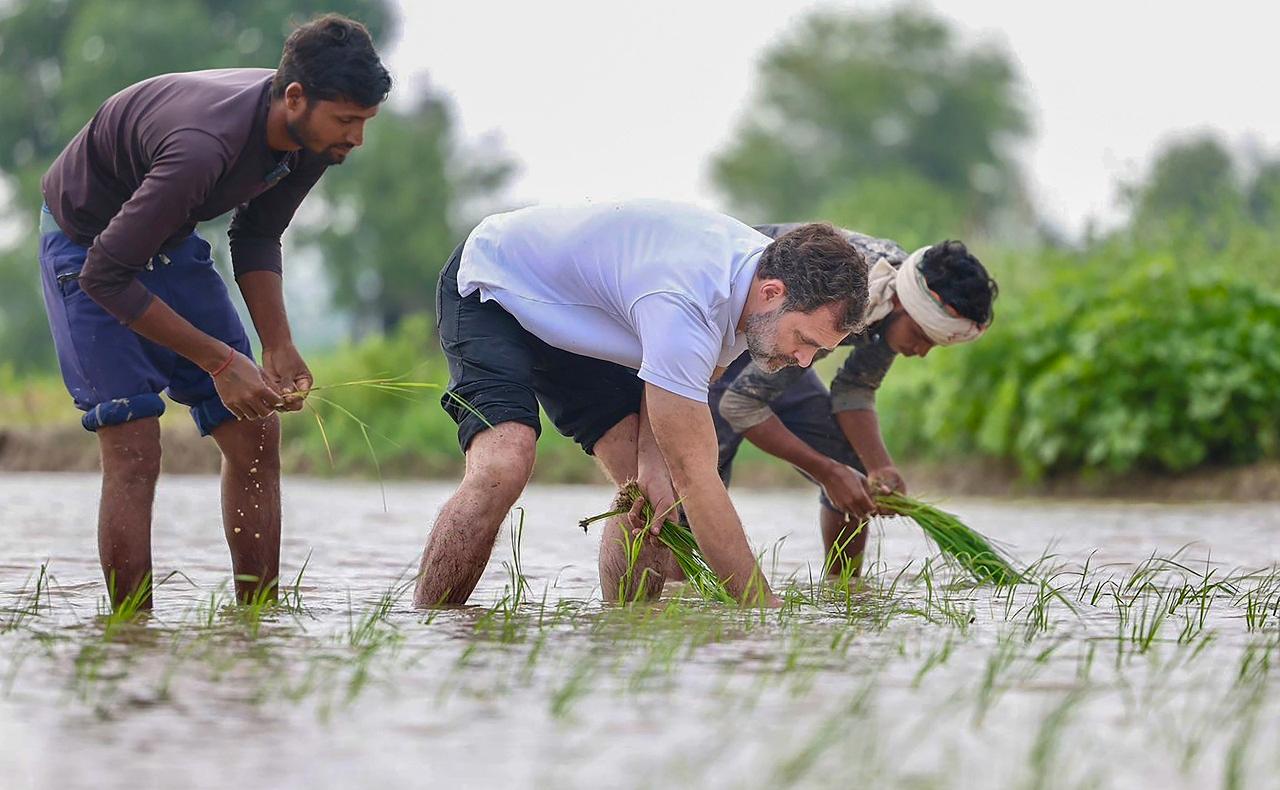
{"points": [[1123, 357], [1152, 347]]}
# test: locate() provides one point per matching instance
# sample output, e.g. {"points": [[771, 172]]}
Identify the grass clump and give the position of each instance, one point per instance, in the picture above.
{"points": [[676, 537], [958, 542]]}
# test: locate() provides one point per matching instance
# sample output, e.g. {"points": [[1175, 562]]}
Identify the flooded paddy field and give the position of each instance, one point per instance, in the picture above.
{"points": [[1147, 654]]}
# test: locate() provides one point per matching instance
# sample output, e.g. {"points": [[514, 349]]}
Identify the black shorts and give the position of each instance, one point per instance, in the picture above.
{"points": [[500, 370], [805, 408]]}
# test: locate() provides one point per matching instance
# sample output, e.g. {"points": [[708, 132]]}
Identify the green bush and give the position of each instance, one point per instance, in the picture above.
{"points": [[1120, 360]]}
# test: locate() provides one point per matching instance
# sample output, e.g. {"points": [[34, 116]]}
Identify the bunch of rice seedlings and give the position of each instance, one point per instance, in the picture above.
{"points": [[959, 543], [674, 536]]}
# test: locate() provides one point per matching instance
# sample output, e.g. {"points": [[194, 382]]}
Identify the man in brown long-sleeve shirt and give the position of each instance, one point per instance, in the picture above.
{"points": [[135, 305]]}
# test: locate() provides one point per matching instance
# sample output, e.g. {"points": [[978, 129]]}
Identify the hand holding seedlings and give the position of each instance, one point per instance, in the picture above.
{"points": [[244, 389], [288, 374], [887, 480], [658, 495], [849, 490]]}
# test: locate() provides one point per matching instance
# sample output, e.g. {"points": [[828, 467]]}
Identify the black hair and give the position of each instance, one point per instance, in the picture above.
{"points": [[819, 269], [333, 58], [961, 280]]}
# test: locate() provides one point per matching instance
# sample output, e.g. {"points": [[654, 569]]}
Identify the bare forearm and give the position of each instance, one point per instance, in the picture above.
{"points": [[686, 436], [862, 428], [775, 438], [719, 532], [648, 454], [263, 293], [160, 324]]}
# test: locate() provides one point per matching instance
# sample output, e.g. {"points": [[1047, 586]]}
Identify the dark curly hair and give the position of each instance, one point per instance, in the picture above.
{"points": [[333, 58], [961, 280], [819, 268]]}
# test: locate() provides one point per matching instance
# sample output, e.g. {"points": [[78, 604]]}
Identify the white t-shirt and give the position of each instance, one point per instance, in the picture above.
{"points": [[652, 285]]}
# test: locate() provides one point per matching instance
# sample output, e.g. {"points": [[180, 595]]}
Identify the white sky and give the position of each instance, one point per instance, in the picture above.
{"points": [[616, 99]]}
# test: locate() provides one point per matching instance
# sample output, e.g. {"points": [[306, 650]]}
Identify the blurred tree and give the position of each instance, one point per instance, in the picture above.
{"points": [[1264, 195], [903, 207], [1191, 180], [60, 59], [396, 213], [853, 103]]}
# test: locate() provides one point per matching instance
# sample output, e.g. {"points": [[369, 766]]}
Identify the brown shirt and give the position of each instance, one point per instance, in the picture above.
{"points": [[164, 154]]}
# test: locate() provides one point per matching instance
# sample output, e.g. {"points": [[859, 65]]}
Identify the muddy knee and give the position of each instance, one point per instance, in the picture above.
{"points": [[500, 462]]}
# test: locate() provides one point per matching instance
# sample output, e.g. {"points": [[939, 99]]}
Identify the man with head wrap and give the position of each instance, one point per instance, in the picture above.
{"points": [[938, 295]]}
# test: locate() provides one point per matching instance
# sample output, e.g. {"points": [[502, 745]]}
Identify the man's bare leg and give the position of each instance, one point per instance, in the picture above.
{"points": [[251, 502], [499, 463], [836, 531], [130, 469], [616, 452]]}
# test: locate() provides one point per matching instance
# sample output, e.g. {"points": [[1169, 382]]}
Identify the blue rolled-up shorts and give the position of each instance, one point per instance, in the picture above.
{"points": [[115, 375]]}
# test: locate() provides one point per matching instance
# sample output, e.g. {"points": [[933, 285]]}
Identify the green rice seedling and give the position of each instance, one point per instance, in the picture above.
{"points": [[935, 659], [127, 609], [517, 589], [575, 686], [676, 537], [1045, 751], [291, 596], [1007, 651], [252, 609], [29, 601], [395, 386], [959, 543]]}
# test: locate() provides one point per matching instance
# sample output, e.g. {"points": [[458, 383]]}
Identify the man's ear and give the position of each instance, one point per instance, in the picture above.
{"points": [[772, 291], [294, 96]]}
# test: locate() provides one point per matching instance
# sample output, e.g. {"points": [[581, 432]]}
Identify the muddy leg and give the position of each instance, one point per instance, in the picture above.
{"points": [[130, 469], [499, 463]]}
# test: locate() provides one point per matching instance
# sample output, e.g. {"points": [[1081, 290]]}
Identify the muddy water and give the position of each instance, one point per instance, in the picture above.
{"points": [[566, 692]]}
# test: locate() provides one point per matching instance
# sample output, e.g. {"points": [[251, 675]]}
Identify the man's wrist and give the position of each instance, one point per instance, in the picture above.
{"points": [[214, 356], [829, 468], [276, 343]]}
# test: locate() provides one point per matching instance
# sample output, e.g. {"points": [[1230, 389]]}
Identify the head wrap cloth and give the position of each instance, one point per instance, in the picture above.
{"points": [[908, 284]]}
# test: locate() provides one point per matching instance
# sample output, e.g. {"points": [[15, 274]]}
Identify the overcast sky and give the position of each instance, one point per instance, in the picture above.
{"points": [[614, 99]]}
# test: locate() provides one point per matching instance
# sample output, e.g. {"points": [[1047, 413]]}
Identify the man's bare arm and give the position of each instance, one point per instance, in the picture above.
{"points": [[687, 439], [286, 371], [844, 486], [862, 428]]}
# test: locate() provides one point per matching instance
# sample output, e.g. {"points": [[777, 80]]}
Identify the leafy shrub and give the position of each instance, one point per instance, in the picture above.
{"points": [[1123, 360]]}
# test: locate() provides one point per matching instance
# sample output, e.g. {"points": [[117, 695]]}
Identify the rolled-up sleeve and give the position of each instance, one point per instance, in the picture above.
{"points": [[256, 229], [855, 384], [747, 399], [184, 169]]}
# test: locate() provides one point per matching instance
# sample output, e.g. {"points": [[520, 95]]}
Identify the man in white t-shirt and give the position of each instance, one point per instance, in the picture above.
{"points": [[616, 317]]}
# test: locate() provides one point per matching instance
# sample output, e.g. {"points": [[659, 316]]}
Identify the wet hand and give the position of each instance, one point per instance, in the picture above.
{"points": [[849, 490], [244, 389], [288, 374], [661, 495], [887, 480]]}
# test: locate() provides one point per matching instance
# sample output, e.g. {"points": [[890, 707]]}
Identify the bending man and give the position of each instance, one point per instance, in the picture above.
{"points": [[939, 295], [136, 306], [615, 317]]}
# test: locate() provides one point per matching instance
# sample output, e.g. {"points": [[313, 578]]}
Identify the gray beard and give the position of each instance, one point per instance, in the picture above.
{"points": [[762, 335]]}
